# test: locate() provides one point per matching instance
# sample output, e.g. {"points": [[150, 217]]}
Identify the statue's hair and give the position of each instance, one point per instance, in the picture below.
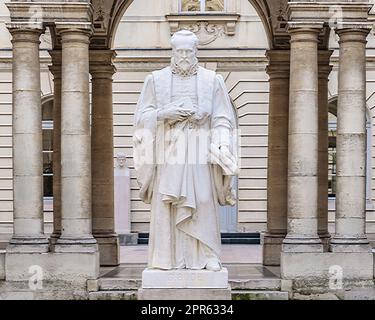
{"points": [[188, 35]]}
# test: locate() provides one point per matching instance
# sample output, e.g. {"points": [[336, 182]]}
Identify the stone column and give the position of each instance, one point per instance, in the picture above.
{"points": [[324, 71], [102, 70], [28, 234], [56, 72], [277, 173], [350, 233], [76, 223], [303, 141]]}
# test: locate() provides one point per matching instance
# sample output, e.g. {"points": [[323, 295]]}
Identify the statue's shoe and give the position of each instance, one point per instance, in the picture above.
{"points": [[213, 265]]}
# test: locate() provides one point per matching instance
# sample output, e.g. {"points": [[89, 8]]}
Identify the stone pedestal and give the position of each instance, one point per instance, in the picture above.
{"points": [[122, 202], [184, 285]]}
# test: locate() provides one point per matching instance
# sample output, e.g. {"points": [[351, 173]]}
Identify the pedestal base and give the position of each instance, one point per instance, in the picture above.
{"points": [[272, 245], [184, 294], [184, 279], [184, 285], [109, 249]]}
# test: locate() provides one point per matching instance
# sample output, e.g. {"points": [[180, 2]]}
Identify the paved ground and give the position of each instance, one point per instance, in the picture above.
{"points": [[230, 254], [242, 262]]}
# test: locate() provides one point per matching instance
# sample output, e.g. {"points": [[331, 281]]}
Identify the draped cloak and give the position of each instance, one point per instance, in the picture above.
{"points": [[184, 196]]}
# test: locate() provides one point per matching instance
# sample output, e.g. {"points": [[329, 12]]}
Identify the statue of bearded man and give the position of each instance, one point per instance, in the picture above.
{"points": [[184, 154]]}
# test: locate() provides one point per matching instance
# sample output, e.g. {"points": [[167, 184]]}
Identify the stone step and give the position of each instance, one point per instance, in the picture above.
{"points": [[268, 284], [236, 295], [118, 284], [114, 295], [259, 295]]}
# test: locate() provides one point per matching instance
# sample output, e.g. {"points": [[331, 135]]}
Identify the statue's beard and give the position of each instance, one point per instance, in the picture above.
{"points": [[184, 67]]}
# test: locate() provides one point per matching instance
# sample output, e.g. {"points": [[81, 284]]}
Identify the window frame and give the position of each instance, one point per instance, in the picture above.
{"points": [[47, 125], [202, 8]]}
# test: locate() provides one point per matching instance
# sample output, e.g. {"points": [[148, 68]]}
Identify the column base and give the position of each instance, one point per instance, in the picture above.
{"points": [[325, 238], [72, 245], [53, 239], [350, 245], [272, 245], [109, 249], [302, 244], [38, 244]]}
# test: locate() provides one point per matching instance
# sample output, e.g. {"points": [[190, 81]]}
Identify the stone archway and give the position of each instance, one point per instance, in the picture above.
{"points": [[74, 257]]}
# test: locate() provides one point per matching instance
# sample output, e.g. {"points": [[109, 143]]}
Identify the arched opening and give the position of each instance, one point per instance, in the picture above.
{"points": [[141, 40], [47, 138]]}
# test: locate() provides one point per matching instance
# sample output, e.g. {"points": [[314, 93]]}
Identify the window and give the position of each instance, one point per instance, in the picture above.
{"points": [[47, 126], [202, 5], [332, 135]]}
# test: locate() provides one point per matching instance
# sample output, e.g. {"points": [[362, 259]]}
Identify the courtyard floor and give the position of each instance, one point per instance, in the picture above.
{"points": [[242, 262]]}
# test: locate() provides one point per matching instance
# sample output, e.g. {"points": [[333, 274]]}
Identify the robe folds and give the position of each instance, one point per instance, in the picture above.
{"points": [[185, 169]]}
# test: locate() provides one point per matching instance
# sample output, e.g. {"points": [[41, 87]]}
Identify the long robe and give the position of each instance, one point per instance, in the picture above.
{"points": [[185, 195]]}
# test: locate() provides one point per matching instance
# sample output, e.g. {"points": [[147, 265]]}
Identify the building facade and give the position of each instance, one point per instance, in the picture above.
{"points": [[302, 80]]}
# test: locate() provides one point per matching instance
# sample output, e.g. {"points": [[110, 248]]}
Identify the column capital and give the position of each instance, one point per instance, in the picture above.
{"points": [[306, 28], [25, 26], [279, 63], [101, 63], [74, 32], [324, 58], [55, 68], [353, 32], [304, 32], [25, 32]]}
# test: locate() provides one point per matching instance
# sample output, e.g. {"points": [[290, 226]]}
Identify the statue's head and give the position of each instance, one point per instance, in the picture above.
{"points": [[121, 159], [184, 49]]}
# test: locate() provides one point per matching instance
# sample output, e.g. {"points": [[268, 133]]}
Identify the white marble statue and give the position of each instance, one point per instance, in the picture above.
{"points": [[185, 159]]}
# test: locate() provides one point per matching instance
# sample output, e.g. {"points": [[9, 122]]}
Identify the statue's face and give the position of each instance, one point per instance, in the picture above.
{"points": [[121, 161], [185, 56]]}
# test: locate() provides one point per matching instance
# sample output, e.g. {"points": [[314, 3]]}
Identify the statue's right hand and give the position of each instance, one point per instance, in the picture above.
{"points": [[176, 112]]}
